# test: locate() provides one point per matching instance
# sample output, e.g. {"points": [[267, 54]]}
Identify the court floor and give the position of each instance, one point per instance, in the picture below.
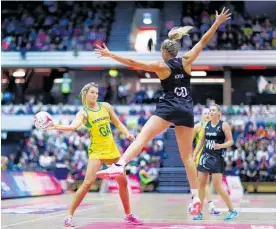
{"points": [[159, 211]]}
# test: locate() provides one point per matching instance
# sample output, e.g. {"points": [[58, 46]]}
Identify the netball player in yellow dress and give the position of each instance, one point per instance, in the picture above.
{"points": [[96, 117]]}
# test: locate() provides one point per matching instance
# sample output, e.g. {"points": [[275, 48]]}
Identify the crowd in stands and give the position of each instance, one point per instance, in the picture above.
{"points": [[55, 25], [252, 157], [64, 26], [242, 32], [50, 150], [61, 109]]}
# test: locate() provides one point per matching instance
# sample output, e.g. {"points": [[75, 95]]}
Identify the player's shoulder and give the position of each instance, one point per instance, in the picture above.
{"points": [[225, 125], [106, 105], [82, 111], [197, 125]]}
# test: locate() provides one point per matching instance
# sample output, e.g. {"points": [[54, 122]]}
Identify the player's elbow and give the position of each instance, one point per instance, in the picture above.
{"points": [[231, 142]]}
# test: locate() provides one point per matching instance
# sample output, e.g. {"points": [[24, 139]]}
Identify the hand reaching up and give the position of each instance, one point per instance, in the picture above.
{"points": [[223, 16]]}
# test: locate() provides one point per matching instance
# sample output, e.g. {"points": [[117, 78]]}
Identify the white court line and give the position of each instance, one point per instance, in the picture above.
{"points": [[149, 220], [52, 216], [181, 220]]}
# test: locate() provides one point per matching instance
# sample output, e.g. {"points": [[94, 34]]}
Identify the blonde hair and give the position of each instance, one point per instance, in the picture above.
{"points": [[84, 91], [219, 109], [205, 109], [171, 45]]}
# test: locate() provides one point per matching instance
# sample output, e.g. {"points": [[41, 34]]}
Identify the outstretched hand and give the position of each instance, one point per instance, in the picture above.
{"points": [[223, 16], [102, 51]]}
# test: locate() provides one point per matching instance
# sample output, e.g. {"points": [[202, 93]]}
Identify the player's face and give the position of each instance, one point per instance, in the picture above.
{"points": [[92, 94], [206, 115], [214, 112]]}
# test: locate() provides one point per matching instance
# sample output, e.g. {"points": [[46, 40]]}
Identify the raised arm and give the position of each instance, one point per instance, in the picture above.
{"points": [[76, 123], [151, 66], [116, 121], [191, 56]]}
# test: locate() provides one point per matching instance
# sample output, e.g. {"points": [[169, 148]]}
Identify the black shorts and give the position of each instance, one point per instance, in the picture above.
{"points": [[176, 110], [210, 163]]}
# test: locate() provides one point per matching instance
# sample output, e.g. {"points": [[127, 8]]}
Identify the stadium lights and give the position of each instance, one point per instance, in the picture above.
{"points": [[113, 72], [58, 80], [193, 81], [147, 75], [147, 19], [146, 80], [19, 73], [199, 73], [208, 81], [19, 81]]}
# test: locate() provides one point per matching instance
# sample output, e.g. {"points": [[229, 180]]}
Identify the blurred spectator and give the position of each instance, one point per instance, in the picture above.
{"points": [[46, 161], [249, 33], [244, 172], [253, 152], [45, 27], [263, 169], [252, 171]]}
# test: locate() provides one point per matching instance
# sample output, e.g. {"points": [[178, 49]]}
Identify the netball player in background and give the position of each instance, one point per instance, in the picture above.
{"points": [[212, 158], [197, 134], [176, 104], [96, 117]]}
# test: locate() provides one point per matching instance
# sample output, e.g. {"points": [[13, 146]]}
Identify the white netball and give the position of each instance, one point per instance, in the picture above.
{"points": [[43, 120]]}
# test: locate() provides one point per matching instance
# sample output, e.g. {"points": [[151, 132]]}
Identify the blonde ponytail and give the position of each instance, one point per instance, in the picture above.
{"points": [[178, 32]]}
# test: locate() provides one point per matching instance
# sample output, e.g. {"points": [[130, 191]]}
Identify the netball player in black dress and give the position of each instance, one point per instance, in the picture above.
{"points": [[176, 104], [216, 138]]}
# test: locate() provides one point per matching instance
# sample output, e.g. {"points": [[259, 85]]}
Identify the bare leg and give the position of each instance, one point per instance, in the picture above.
{"points": [[154, 126], [217, 181], [184, 137], [124, 194], [90, 177], [203, 180], [208, 193]]}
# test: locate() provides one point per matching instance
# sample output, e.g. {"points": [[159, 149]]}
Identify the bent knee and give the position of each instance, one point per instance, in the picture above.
{"points": [[202, 183], [217, 186]]}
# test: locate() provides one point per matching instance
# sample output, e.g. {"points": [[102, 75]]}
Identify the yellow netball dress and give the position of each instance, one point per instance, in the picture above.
{"points": [[198, 137], [102, 145]]}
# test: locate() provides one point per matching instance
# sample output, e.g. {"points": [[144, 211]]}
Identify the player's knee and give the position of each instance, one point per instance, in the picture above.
{"points": [[217, 186], [202, 183], [142, 139]]}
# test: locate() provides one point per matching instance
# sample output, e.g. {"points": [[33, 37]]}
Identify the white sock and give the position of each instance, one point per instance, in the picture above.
{"points": [[211, 204], [121, 162], [194, 192]]}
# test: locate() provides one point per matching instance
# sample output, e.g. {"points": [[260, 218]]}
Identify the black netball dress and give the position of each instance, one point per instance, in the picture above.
{"points": [[211, 160], [176, 103]]}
